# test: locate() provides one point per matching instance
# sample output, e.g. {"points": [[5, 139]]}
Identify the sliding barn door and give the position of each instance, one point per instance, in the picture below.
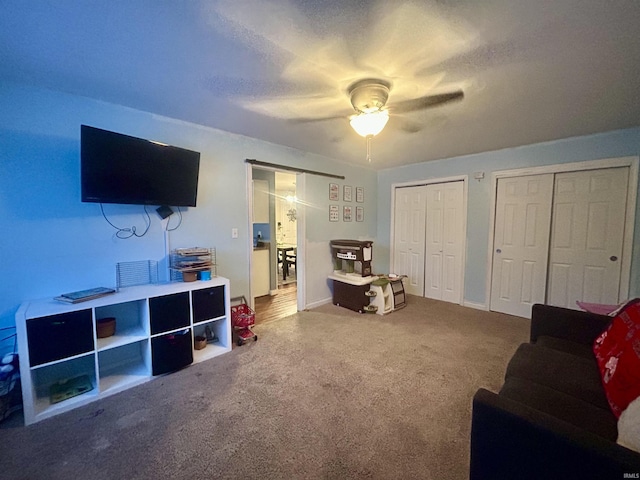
{"points": [[444, 241], [409, 237], [521, 243], [589, 213]]}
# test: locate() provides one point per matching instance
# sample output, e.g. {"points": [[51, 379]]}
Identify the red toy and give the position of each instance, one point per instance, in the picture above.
{"points": [[242, 319]]}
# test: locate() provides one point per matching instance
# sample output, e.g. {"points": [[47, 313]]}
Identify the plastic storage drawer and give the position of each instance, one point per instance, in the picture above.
{"points": [[59, 336], [208, 303], [169, 312], [171, 352]]}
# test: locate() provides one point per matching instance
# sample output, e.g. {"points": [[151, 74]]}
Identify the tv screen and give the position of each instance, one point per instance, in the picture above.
{"points": [[117, 168]]}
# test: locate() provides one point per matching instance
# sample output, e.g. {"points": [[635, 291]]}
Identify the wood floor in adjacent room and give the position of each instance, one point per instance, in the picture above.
{"points": [[274, 307]]}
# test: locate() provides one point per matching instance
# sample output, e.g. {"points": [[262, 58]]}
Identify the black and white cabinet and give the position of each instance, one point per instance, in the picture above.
{"points": [[64, 363]]}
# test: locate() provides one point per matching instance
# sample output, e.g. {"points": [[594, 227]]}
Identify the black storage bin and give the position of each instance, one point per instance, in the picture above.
{"points": [[171, 352], [169, 312], [59, 336], [208, 303]]}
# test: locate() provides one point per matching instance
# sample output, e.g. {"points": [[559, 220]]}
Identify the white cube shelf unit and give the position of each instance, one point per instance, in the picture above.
{"points": [[155, 329]]}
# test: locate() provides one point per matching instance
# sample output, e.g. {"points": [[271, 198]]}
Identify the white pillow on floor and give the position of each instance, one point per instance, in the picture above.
{"points": [[629, 426]]}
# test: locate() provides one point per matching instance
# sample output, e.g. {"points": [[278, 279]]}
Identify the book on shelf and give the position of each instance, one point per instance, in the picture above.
{"points": [[85, 295]]}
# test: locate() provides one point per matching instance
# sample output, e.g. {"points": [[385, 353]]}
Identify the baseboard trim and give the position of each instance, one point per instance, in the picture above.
{"points": [[477, 306], [466, 303], [317, 304]]}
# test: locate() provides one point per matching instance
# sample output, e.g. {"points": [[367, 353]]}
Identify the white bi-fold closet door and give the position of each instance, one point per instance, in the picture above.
{"points": [[410, 213], [558, 239], [429, 239], [521, 243], [585, 255]]}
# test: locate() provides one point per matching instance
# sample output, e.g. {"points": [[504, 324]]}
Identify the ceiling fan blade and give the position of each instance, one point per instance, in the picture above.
{"points": [[407, 125], [318, 119], [425, 102]]}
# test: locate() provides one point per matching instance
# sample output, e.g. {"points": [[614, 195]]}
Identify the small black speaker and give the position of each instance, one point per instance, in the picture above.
{"points": [[164, 211]]}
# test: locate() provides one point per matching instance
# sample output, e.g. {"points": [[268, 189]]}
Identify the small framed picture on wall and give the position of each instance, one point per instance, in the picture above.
{"points": [[359, 214], [334, 213], [360, 194], [346, 193], [347, 213], [334, 192]]}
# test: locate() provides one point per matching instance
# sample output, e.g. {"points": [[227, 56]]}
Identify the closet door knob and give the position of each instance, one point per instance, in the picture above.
{"points": [[613, 258], [498, 250]]}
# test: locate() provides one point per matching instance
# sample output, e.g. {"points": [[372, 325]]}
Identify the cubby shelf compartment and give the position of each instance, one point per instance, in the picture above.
{"points": [[122, 360], [131, 324], [41, 378], [123, 367], [213, 349]]}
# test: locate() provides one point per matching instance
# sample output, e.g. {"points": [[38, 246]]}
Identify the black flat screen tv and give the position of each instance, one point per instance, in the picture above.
{"points": [[117, 168]]}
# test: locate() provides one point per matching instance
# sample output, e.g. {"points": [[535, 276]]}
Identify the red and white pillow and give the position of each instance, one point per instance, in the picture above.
{"points": [[617, 352]]}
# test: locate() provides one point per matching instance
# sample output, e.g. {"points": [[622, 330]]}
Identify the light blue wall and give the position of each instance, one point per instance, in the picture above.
{"points": [[317, 225], [620, 143], [262, 230], [52, 243]]}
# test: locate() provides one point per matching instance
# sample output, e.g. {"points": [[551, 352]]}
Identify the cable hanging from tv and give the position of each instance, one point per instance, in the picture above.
{"points": [[179, 221], [124, 233]]}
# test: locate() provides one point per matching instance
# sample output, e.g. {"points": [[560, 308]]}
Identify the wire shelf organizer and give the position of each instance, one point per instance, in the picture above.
{"points": [[190, 261], [141, 272]]}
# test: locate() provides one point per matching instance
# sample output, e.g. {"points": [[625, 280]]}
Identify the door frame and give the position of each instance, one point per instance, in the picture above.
{"points": [[300, 234], [627, 247], [417, 183]]}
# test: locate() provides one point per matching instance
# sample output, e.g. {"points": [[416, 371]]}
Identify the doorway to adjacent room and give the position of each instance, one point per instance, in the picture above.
{"points": [[283, 264], [286, 228], [275, 307]]}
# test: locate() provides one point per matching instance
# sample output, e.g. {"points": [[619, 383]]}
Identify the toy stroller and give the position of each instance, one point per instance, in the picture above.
{"points": [[242, 319]]}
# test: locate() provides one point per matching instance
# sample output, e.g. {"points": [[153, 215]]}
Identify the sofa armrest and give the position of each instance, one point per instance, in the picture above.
{"points": [[573, 325], [512, 440]]}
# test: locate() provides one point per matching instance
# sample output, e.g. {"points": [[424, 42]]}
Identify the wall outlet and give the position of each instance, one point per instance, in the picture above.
{"points": [[234, 233]]}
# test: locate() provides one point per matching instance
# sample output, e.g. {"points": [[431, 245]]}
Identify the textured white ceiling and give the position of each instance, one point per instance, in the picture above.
{"points": [[531, 70]]}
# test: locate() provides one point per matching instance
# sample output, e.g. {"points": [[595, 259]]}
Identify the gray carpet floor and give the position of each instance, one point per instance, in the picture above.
{"points": [[327, 393]]}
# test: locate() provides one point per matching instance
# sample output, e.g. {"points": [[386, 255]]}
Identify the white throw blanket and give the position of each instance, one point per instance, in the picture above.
{"points": [[629, 426]]}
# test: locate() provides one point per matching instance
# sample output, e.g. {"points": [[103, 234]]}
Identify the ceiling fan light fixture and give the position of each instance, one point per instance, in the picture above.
{"points": [[369, 124]]}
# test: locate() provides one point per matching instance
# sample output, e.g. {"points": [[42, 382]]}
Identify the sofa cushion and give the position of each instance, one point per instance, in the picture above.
{"points": [[570, 374], [599, 421], [567, 346], [617, 351]]}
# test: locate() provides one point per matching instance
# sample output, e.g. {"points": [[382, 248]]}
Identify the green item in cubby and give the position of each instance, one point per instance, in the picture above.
{"points": [[65, 389]]}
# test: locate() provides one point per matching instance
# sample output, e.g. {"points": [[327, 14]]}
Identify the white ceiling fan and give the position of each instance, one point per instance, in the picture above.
{"points": [[383, 63], [369, 98]]}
